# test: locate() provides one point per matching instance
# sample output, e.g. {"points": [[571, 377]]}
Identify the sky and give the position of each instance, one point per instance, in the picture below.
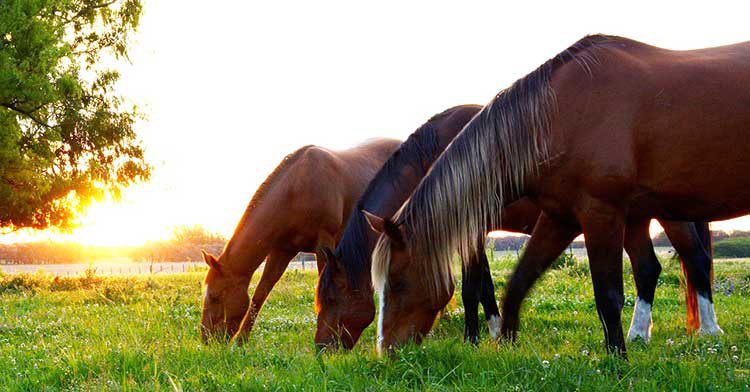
{"points": [[231, 88]]}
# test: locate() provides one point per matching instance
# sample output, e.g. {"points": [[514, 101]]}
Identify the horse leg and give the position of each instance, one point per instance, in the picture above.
{"points": [[275, 266], [477, 287], [487, 297], [547, 242], [692, 242], [604, 228], [646, 270], [470, 295]]}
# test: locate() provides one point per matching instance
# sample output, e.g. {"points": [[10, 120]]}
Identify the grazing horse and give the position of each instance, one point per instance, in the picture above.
{"points": [[300, 207], [344, 296], [609, 133]]}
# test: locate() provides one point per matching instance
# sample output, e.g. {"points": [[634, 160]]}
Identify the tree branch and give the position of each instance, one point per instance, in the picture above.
{"points": [[27, 113], [86, 10]]}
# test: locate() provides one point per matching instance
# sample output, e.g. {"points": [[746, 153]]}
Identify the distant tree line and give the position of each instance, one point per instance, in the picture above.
{"points": [[507, 243], [184, 245], [41, 253], [732, 248], [187, 241], [516, 242]]}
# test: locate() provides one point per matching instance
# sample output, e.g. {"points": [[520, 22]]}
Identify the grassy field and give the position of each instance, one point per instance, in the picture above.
{"points": [[140, 333]]}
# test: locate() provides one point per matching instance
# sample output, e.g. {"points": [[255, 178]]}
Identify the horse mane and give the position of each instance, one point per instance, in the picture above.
{"points": [[267, 184], [464, 192], [418, 151]]}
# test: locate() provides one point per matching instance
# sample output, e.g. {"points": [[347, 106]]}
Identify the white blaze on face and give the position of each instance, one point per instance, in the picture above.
{"points": [[381, 297], [709, 326], [494, 324], [205, 294], [640, 326]]}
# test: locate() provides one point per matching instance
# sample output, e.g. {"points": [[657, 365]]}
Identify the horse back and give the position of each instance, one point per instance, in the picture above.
{"points": [[662, 128], [324, 185]]}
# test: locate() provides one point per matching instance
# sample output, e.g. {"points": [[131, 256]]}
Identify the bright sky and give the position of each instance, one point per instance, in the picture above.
{"points": [[231, 88]]}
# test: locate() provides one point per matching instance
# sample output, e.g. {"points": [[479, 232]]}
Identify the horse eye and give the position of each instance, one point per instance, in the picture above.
{"points": [[215, 300], [398, 286]]}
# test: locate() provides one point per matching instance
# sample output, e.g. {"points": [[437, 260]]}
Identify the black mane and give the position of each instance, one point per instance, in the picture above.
{"points": [[418, 151]]}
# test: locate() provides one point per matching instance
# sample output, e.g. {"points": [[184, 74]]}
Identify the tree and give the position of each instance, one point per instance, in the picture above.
{"points": [[185, 245], [65, 137], [732, 248], [195, 235]]}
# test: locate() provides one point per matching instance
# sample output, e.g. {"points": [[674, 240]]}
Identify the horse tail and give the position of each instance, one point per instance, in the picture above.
{"points": [[691, 299], [691, 295]]}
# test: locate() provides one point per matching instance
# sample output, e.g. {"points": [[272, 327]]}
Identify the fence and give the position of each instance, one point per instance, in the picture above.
{"points": [[303, 261]]}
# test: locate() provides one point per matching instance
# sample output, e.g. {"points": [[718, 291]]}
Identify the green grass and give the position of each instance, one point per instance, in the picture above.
{"points": [[141, 333]]}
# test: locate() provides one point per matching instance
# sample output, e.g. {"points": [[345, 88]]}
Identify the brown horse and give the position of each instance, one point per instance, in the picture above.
{"points": [[300, 207], [344, 296], [609, 133]]}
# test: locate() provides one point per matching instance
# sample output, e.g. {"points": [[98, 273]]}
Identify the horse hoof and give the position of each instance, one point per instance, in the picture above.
{"points": [[495, 324], [713, 331], [633, 337]]}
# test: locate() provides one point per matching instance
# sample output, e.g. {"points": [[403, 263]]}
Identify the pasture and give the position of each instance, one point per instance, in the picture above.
{"points": [[140, 333]]}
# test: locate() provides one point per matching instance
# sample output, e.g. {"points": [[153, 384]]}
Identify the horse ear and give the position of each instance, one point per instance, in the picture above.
{"points": [[329, 256], [211, 260], [376, 223], [393, 230], [385, 226]]}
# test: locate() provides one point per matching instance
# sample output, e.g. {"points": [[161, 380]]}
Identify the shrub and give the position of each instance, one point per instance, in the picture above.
{"points": [[565, 260], [732, 247], [18, 282]]}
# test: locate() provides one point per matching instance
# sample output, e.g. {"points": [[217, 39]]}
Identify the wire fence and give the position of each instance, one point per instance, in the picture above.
{"points": [[303, 261]]}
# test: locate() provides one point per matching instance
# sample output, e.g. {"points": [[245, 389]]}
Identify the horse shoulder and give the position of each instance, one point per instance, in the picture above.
{"points": [[317, 187], [596, 124]]}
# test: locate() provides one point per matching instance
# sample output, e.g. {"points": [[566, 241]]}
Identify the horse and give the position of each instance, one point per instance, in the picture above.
{"points": [[301, 206], [344, 295], [611, 132]]}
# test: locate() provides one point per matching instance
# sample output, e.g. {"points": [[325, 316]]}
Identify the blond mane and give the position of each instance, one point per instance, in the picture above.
{"points": [[481, 170]]}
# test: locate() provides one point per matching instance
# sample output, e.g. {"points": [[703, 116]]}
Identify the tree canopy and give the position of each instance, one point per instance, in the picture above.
{"points": [[66, 138]]}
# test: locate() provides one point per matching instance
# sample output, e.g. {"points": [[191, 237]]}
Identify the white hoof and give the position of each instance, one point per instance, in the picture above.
{"points": [[709, 326], [494, 324], [640, 326], [715, 331]]}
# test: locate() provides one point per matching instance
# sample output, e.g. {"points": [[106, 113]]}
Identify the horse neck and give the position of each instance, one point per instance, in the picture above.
{"points": [[385, 202], [251, 242]]}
